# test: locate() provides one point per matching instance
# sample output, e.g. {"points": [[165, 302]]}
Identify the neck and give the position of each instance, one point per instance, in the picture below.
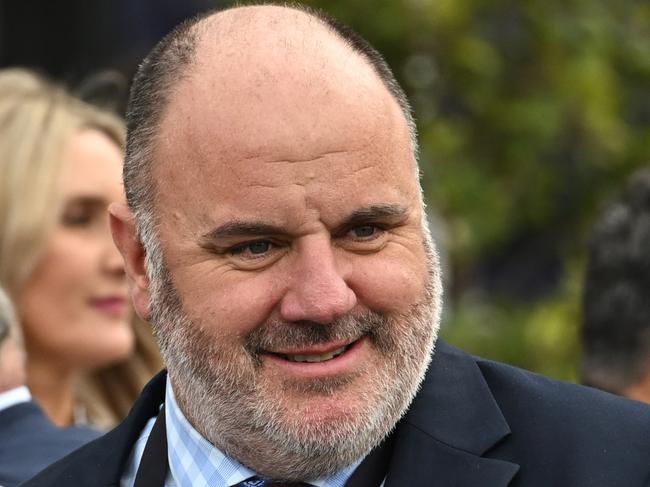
{"points": [[53, 388]]}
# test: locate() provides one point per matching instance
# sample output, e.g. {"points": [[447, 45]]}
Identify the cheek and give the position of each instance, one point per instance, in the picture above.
{"points": [[53, 298], [232, 306], [388, 283], [47, 309]]}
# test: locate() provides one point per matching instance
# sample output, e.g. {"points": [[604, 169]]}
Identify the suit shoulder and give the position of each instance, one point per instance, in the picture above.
{"points": [[570, 410]]}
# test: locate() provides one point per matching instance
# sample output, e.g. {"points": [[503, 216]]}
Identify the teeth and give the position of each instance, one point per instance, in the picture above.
{"points": [[316, 358]]}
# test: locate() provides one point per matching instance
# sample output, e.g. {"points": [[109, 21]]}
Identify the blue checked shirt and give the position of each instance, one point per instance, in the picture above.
{"points": [[195, 462]]}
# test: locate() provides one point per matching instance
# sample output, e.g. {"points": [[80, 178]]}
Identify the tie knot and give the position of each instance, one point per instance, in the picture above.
{"points": [[258, 482]]}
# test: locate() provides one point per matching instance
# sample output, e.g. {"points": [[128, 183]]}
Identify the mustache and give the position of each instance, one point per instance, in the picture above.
{"points": [[277, 334]]}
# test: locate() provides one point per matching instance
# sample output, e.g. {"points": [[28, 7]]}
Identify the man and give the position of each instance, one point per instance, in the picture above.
{"points": [[616, 322], [276, 239], [30, 441]]}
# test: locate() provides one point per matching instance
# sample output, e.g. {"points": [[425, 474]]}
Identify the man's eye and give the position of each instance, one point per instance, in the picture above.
{"points": [[364, 231], [259, 247], [253, 248]]}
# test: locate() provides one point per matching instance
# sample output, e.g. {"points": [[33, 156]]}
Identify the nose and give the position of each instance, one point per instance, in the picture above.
{"points": [[317, 291]]}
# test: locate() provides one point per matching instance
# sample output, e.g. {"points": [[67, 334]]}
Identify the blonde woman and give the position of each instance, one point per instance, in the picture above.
{"points": [[60, 166]]}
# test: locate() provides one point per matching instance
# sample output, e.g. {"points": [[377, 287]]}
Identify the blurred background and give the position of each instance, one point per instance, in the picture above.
{"points": [[531, 115]]}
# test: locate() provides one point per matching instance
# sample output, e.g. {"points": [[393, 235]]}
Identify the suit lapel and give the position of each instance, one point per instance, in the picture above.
{"points": [[453, 421], [102, 462], [419, 459], [118, 443]]}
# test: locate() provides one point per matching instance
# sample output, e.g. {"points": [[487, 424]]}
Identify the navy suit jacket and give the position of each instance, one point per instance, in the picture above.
{"points": [[473, 423], [29, 442]]}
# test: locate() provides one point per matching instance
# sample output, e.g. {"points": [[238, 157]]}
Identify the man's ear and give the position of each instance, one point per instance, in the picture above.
{"points": [[126, 239]]}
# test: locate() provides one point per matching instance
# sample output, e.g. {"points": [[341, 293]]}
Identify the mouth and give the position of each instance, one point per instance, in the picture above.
{"points": [[315, 358], [320, 361], [114, 306]]}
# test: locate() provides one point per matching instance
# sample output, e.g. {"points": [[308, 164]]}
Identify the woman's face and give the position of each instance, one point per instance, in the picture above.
{"points": [[74, 307]]}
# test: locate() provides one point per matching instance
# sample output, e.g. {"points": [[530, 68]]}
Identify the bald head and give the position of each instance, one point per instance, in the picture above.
{"points": [[250, 54], [282, 154]]}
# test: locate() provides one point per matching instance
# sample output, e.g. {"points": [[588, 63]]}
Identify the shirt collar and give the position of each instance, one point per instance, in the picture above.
{"points": [[14, 396], [195, 462]]}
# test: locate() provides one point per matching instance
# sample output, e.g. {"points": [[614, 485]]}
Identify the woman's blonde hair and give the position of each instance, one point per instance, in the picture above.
{"points": [[37, 119]]}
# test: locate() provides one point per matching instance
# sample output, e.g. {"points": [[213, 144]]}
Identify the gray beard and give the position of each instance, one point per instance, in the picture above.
{"points": [[217, 389]]}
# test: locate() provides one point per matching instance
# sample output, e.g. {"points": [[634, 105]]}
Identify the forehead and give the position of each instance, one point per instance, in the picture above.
{"points": [[317, 121], [92, 164]]}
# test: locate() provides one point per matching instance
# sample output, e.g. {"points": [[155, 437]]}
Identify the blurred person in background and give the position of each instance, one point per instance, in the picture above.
{"points": [[616, 324], [30, 441], [60, 166]]}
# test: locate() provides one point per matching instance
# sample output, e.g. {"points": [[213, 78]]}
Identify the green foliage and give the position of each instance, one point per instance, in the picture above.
{"points": [[542, 337], [531, 113]]}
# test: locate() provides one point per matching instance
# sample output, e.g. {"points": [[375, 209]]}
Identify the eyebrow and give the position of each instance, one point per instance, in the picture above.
{"points": [[237, 228], [388, 213], [85, 200], [240, 228]]}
